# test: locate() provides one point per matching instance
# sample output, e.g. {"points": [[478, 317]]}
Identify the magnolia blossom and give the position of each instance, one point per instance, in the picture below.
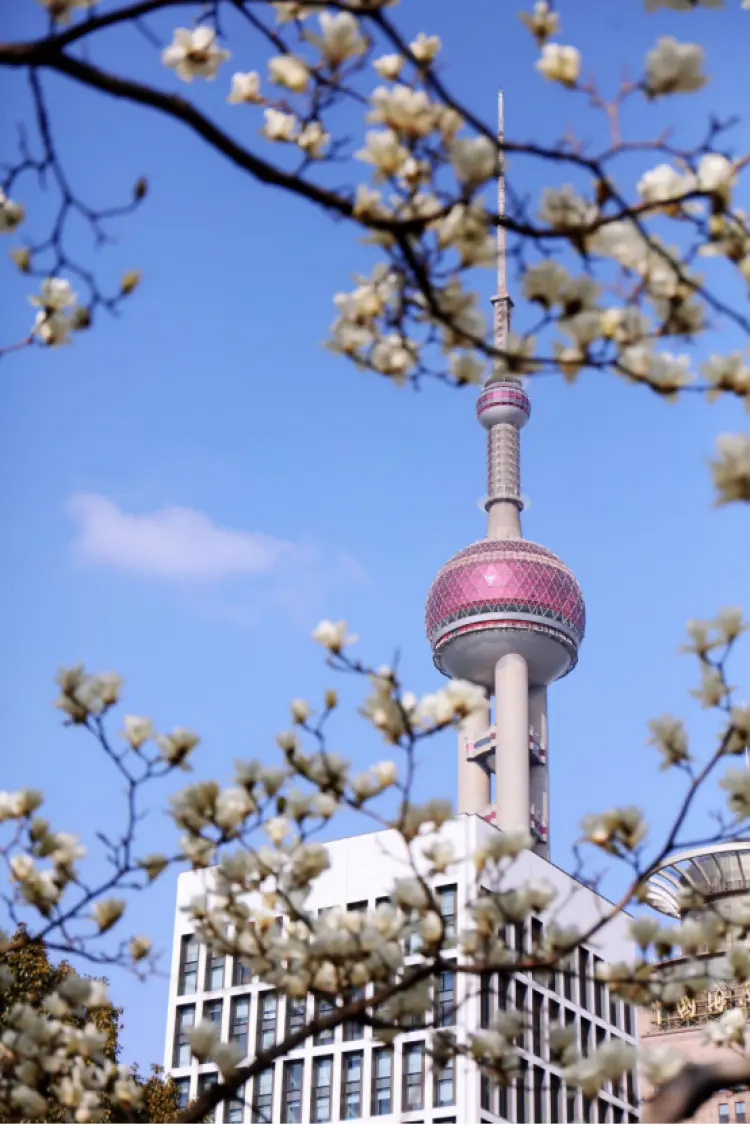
{"points": [[731, 469], [289, 71], [138, 730], [384, 150], [107, 911], [673, 67], [61, 10], [194, 53], [717, 175], [425, 47], [245, 88], [561, 64], [410, 112], [389, 66], [669, 736], [313, 139], [475, 159], [176, 747], [662, 1064], [664, 183], [466, 367], [11, 213], [542, 22], [333, 635], [279, 126], [737, 784], [564, 207], [340, 37]]}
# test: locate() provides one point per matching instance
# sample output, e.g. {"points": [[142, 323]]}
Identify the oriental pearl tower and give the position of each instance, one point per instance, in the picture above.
{"points": [[507, 614]]}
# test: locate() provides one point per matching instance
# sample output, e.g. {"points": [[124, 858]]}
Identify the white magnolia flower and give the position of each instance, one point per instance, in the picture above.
{"points": [[276, 829], [425, 47], [475, 159], [55, 294], [11, 213], [389, 66], [544, 281], [106, 912], [301, 710], [559, 63], [288, 10], [404, 109], [664, 182], [669, 736], [673, 67], [386, 773], [279, 126], [313, 139], [232, 806], [731, 469], [138, 729], [290, 72], [392, 356], [226, 1056], [384, 151], [564, 207], [466, 367], [728, 1029], [203, 1039], [717, 175], [662, 1064], [176, 747], [644, 930], [737, 784], [340, 37], [245, 88], [194, 53], [542, 22], [53, 328], [139, 947], [333, 635]]}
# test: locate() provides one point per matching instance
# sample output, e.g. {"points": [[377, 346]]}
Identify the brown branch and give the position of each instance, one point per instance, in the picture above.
{"points": [[694, 1085]]}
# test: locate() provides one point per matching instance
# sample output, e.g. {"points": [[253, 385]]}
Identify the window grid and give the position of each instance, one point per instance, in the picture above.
{"points": [[445, 999], [214, 981], [412, 1095], [447, 897], [262, 1103], [382, 1082], [239, 1022], [444, 1092], [234, 1107], [291, 1109], [323, 1007], [351, 1085], [184, 1021], [267, 1005], [320, 1096], [188, 976]]}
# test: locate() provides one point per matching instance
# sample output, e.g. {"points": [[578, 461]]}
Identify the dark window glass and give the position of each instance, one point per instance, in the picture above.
{"points": [[570, 1017], [628, 1012], [601, 1107], [183, 1091], [632, 1093], [570, 1101], [382, 1081], [184, 1020], [320, 1098], [583, 977], [585, 1035], [723, 1113], [568, 981], [291, 1109], [188, 979], [351, 1085], [214, 972], [354, 1029], [521, 1101], [234, 1107], [205, 1082], [599, 998], [212, 1012], [358, 907], [537, 1023], [485, 1093], [539, 1107], [444, 1092], [266, 1021], [240, 973], [555, 1099], [504, 1102], [503, 988], [323, 1008], [740, 1115], [521, 993], [614, 1012], [239, 1020], [447, 898], [485, 1000], [601, 1035], [413, 1077], [262, 1105], [445, 999], [295, 1014], [588, 1109], [617, 1115]]}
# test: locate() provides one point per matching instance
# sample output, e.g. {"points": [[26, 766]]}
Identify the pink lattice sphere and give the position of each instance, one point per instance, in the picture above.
{"points": [[501, 596], [503, 403]]}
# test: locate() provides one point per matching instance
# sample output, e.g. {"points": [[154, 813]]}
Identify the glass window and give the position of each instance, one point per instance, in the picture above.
{"points": [[571, 1099], [234, 1107], [184, 1020], [555, 1099], [628, 1019], [444, 1092], [355, 1028], [485, 999], [291, 1107], [266, 1020], [632, 1092], [521, 993], [205, 1082], [537, 1023], [521, 1093], [239, 1020], [323, 1007], [357, 907], [588, 1109], [585, 1035], [583, 977], [617, 1115], [539, 1107], [214, 972], [262, 1105], [599, 998], [240, 973], [445, 999], [614, 1012], [723, 1113], [413, 1075], [351, 1085], [296, 1011], [188, 979], [320, 1098], [212, 1012], [382, 1081], [740, 1115], [568, 980], [182, 1086], [447, 899]]}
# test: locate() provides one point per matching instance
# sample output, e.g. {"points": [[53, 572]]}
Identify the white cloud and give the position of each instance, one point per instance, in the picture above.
{"points": [[171, 543]]}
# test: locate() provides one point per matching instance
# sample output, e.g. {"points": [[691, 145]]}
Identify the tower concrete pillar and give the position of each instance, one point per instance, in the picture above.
{"points": [[540, 773], [473, 780], [512, 783]]}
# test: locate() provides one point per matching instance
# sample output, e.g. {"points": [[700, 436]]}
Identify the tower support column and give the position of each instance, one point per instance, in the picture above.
{"points": [[539, 772], [473, 779], [512, 782]]}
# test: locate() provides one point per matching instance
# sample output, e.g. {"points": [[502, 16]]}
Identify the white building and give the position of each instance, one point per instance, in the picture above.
{"points": [[351, 1076]]}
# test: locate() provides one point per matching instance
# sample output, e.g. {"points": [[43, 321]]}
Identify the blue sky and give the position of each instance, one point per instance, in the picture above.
{"points": [[209, 424]]}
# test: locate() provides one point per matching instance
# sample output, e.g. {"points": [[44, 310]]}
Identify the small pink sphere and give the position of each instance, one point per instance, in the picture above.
{"points": [[503, 403], [501, 596]]}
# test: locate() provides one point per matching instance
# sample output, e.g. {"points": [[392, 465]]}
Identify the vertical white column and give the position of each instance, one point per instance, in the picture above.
{"points": [[540, 774], [473, 781], [512, 798]]}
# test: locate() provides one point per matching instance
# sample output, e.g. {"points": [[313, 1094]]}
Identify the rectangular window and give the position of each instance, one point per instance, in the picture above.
{"points": [[382, 1082], [601, 1109], [740, 1115], [632, 1092], [447, 897], [240, 973], [266, 1021], [234, 1107], [262, 1104], [570, 1100], [485, 999], [291, 1104], [413, 1077], [617, 1115], [445, 999], [553, 1012], [555, 1099], [354, 1029], [351, 1085], [537, 1023], [521, 1092], [184, 1020], [296, 1011], [521, 994], [628, 1019], [723, 1113], [239, 1021], [205, 1082], [444, 1092], [182, 1086], [214, 972], [568, 980], [599, 998], [188, 979], [357, 907], [588, 1109], [320, 1098], [212, 1013], [614, 1012], [583, 977], [539, 1107], [323, 1008]]}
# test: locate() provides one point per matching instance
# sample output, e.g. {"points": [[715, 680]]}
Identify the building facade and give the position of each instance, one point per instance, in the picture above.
{"points": [[350, 1076]]}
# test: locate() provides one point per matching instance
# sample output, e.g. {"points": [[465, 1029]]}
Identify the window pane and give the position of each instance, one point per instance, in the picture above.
{"points": [[212, 1011], [234, 1108], [292, 1107], [214, 972], [240, 973], [188, 977], [263, 1096], [723, 1112], [739, 1113], [323, 1008], [447, 899], [184, 1020], [295, 1015], [183, 1091], [239, 1018], [382, 1069], [320, 1108], [351, 1086], [413, 1076], [266, 1020], [445, 999]]}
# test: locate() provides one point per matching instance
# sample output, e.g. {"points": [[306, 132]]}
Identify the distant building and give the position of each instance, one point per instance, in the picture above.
{"points": [[719, 873]]}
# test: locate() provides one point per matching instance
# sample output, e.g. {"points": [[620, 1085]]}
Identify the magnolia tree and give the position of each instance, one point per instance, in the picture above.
{"points": [[610, 266]]}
